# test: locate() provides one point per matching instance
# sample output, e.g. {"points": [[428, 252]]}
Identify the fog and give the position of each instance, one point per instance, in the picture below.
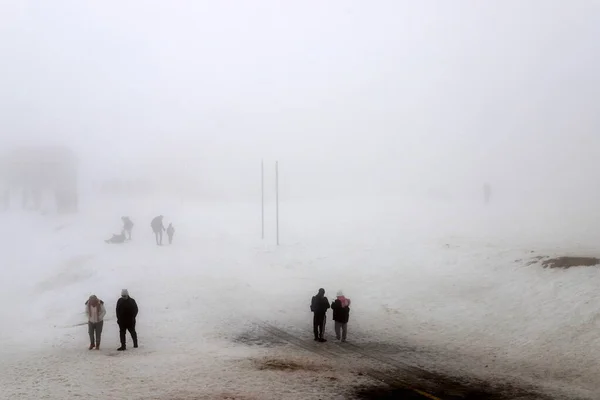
{"points": [[352, 97], [387, 118]]}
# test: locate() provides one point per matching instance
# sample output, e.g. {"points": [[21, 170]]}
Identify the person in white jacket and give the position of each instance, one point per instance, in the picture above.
{"points": [[95, 311]]}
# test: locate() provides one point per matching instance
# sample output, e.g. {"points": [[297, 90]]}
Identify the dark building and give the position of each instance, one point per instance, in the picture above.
{"points": [[37, 170]]}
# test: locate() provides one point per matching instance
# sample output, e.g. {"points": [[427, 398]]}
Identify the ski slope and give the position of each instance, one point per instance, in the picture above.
{"points": [[452, 282]]}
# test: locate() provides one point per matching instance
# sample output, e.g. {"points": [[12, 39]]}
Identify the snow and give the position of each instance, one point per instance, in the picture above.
{"points": [[451, 281]]}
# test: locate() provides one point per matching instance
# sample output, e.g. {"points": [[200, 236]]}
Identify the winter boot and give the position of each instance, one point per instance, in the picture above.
{"points": [[122, 348], [91, 346]]}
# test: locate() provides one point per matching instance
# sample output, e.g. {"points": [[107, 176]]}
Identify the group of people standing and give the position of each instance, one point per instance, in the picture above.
{"points": [[157, 227], [341, 314], [127, 311]]}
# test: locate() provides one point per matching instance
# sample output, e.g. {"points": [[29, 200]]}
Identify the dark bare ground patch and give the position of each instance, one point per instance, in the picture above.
{"points": [[213, 396], [569, 262], [442, 387], [280, 364], [386, 393]]}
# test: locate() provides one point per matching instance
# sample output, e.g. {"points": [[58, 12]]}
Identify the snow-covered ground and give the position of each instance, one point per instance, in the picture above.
{"points": [[453, 281]]}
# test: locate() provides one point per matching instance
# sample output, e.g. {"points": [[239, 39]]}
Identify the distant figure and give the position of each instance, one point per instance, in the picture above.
{"points": [[319, 306], [95, 311], [127, 311], [487, 193], [158, 228], [127, 226], [341, 314], [170, 233], [117, 238]]}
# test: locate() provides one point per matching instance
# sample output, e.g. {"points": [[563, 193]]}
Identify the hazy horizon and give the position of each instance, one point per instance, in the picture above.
{"points": [[349, 96]]}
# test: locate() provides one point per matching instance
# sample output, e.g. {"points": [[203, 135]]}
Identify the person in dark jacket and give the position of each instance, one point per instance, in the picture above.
{"points": [[127, 311], [170, 233], [158, 228], [127, 225], [487, 193], [319, 306], [341, 315]]}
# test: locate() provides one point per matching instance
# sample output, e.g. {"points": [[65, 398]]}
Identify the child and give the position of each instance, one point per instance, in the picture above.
{"points": [[170, 233]]}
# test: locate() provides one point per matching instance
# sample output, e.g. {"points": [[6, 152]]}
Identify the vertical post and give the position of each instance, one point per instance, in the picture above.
{"points": [[277, 200], [262, 198]]}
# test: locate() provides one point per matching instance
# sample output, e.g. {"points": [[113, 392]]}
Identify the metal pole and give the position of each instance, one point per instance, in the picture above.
{"points": [[262, 198], [277, 199]]}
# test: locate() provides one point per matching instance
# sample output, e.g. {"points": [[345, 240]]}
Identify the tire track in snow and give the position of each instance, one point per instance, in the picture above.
{"points": [[389, 378], [398, 374]]}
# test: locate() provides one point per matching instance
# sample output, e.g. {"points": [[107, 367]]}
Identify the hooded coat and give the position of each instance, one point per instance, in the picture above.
{"points": [[319, 304], [157, 224], [341, 309], [97, 313], [127, 310]]}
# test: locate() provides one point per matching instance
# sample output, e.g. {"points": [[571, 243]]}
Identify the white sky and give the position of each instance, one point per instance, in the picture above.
{"points": [[358, 93]]}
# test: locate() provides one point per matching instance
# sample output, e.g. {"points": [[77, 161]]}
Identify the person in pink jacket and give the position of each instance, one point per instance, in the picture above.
{"points": [[341, 315], [95, 311]]}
